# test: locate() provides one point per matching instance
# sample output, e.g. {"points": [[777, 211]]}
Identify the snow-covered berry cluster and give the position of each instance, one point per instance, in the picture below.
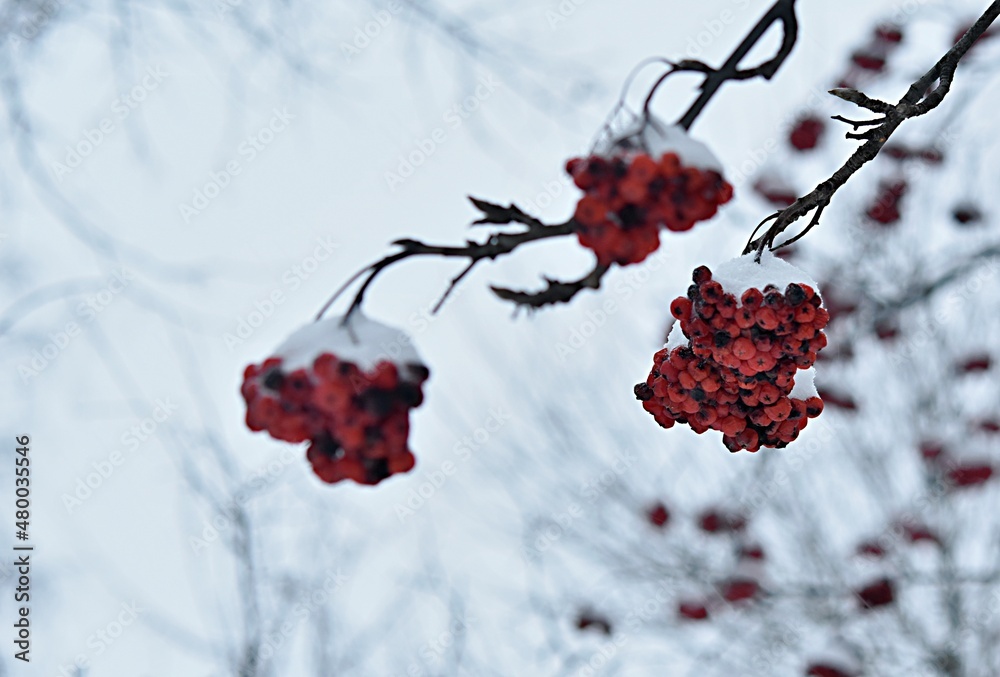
{"points": [[731, 361], [655, 176], [335, 386]]}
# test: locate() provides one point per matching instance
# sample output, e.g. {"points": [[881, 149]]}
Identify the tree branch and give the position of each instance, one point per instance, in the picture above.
{"points": [[554, 292], [781, 11], [498, 244], [917, 101], [946, 278]]}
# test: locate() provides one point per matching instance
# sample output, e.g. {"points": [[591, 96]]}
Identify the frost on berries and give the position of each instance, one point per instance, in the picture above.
{"points": [[652, 176], [739, 359], [335, 386]]}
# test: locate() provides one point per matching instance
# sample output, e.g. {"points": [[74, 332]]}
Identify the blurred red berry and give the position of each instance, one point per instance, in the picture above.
{"points": [[751, 552], [876, 594], [825, 670], [931, 451], [658, 515], [966, 214], [806, 133], [970, 475], [885, 209], [870, 549], [717, 521], [889, 33], [590, 620], [693, 611], [868, 61], [739, 589], [975, 364]]}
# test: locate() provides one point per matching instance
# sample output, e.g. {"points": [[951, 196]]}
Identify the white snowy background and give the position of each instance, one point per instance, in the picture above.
{"points": [[149, 492]]}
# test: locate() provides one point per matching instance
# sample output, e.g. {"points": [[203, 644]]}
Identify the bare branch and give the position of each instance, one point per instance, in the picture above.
{"points": [[554, 292], [781, 11], [497, 244], [914, 103]]}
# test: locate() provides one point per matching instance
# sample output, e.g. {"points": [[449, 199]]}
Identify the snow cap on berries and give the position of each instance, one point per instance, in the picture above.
{"points": [[742, 273], [655, 137], [363, 342]]}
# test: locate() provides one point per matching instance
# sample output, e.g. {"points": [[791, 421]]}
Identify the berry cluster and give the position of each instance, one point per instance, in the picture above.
{"points": [[737, 371], [630, 195], [356, 420]]}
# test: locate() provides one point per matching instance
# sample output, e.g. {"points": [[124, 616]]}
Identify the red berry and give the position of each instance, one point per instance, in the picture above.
{"points": [[966, 214], [825, 670], [694, 611], [970, 475], [739, 589], [868, 61], [658, 515], [889, 33], [806, 133], [931, 451], [876, 594], [590, 620], [870, 549], [975, 364]]}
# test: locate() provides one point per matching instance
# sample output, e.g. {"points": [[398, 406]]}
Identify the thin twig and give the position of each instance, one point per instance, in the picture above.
{"points": [[783, 11], [554, 292], [494, 246]]}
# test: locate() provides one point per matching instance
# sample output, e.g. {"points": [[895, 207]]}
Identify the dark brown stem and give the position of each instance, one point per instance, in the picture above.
{"points": [[497, 244], [781, 11], [554, 292]]}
